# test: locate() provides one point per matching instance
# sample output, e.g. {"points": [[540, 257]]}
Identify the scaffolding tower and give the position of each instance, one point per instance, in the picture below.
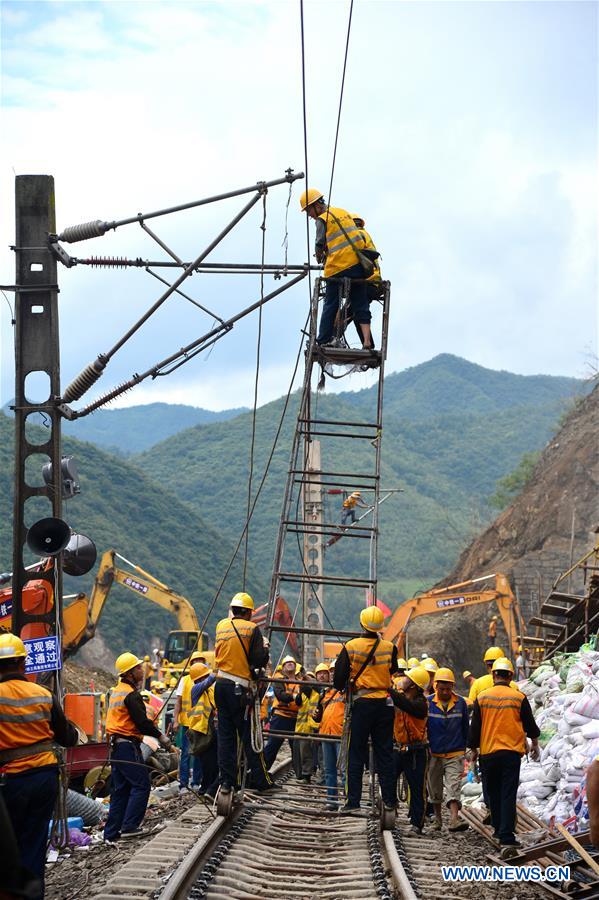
{"points": [[304, 532]]}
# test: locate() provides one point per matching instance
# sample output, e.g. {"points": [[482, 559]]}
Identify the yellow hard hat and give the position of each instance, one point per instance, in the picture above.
{"points": [[429, 664], [298, 668], [413, 662], [287, 659], [503, 665], [310, 675], [466, 674], [402, 664], [146, 658], [444, 675], [418, 676], [494, 653], [196, 655], [356, 493], [173, 682], [146, 695], [307, 198], [322, 667], [127, 661], [519, 649], [493, 618], [242, 600], [372, 618], [198, 670], [11, 647]]}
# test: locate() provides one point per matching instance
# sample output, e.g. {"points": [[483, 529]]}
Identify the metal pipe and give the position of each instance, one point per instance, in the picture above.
{"points": [[297, 630], [245, 268], [187, 297], [187, 272], [161, 243], [335, 422]]}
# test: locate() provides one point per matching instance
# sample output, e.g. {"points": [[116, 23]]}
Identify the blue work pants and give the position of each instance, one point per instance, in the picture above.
{"points": [[413, 764], [330, 755], [130, 789], [371, 719], [184, 762], [502, 774], [358, 301], [30, 798], [233, 724], [275, 742]]}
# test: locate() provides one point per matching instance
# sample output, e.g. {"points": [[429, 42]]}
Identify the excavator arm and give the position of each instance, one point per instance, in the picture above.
{"points": [[455, 597]]}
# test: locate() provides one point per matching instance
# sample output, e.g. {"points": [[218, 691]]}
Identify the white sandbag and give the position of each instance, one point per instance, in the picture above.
{"points": [[535, 789], [591, 730], [531, 772], [574, 719], [588, 703], [472, 789]]}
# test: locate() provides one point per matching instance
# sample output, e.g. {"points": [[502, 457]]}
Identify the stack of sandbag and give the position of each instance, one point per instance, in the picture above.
{"points": [[564, 696]]}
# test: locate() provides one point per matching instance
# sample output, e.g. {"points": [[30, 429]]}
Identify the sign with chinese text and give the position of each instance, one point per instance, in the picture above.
{"points": [[43, 655]]}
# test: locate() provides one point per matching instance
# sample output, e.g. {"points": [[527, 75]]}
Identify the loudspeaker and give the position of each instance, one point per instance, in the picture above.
{"points": [[79, 555], [48, 537]]}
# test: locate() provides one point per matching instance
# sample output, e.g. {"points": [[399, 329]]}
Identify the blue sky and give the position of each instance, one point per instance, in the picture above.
{"points": [[468, 141]]}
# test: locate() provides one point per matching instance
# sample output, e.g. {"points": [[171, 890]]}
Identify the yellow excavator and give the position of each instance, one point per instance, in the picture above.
{"points": [[81, 616]]}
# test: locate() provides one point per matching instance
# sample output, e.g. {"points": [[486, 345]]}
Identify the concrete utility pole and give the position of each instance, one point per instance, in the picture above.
{"points": [[37, 390], [313, 592]]}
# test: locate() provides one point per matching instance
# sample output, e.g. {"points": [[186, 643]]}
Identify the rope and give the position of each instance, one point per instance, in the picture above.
{"points": [[305, 118], [256, 380]]}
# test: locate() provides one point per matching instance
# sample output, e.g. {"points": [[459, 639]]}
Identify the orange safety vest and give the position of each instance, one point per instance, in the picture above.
{"points": [[407, 729], [229, 655], [333, 712], [25, 715], [118, 720], [375, 680], [340, 241], [502, 727], [287, 710]]}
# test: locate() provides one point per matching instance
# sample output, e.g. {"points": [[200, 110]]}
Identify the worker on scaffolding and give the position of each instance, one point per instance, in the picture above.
{"points": [[364, 669], [284, 710], [240, 652], [374, 282], [31, 724], [502, 719], [348, 509], [410, 747], [342, 247]]}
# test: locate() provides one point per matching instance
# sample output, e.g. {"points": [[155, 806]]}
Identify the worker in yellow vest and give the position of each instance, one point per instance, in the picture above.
{"points": [[501, 722], [486, 681], [284, 710], [202, 731], [240, 652], [307, 698], [338, 243], [181, 720], [32, 724], [330, 714], [364, 669], [126, 724], [348, 510]]}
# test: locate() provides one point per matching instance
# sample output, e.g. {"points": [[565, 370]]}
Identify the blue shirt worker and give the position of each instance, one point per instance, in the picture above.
{"points": [[126, 724], [364, 668], [32, 723], [448, 724], [240, 652], [337, 241]]}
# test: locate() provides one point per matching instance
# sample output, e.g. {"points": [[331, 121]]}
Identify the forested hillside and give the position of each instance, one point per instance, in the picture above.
{"points": [[119, 507]]}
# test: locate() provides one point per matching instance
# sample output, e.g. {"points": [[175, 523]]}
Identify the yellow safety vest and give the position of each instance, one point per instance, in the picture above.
{"points": [[25, 713], [483, 684], [341, 254], [199, 715], [185, 701], [369, 245], [375, 680], [305, 723], [118, 720], [502, 727], [229, 655]]}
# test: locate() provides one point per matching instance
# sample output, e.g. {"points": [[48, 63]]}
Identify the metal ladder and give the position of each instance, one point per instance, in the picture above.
{"points": [[304, 532]]}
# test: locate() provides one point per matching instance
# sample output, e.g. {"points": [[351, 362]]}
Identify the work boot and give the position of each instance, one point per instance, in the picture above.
{"points": [[438, 824], [415, 831], [457, 825], [347, 810]]}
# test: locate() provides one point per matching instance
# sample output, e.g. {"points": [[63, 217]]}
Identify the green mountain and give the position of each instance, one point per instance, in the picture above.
{"points": [[120, 508], [452, 429], [135, 428]]}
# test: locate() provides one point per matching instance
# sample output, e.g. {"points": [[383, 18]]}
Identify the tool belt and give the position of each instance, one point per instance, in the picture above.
{"points": [[13, 753], [403, 748], [237, 679]]}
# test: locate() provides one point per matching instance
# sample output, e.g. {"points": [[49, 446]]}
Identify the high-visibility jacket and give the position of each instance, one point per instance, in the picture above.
{"points": [[305, 724], [369, 245], [447, 726], [25, 718], [341, 254], [183, 718], [483, 684], [199, 715], [501, 723], [350, 502], [375, 680], [333, 711], [287, 710], [229, 653], [118, 720]]}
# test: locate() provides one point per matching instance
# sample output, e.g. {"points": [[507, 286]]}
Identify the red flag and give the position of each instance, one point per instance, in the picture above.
{"points": [[384, 607]]}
